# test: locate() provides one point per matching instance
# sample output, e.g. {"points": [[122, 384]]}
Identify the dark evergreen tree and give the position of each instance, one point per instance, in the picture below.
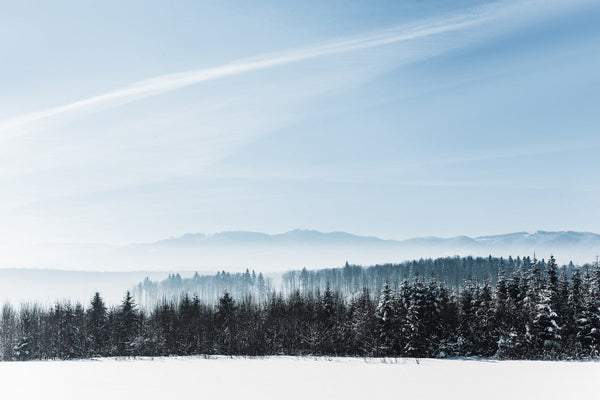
{"points": [[545, 331], [27, 344], [226, 323], [387, 320], [416, 335], [467, 340], [97, 326], [363, 326], [8, 332], [127, 326]]}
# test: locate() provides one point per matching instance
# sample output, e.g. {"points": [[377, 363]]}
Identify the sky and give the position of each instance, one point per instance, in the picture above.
{"points": [[127, 122]]}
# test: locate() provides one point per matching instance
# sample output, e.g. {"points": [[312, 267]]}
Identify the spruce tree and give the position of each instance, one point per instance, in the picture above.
{"points": [[545, 331], [226, 322], [364, 326], [417, 341], [27, 344], [386, 320], [8, 332], [97, 326], [467, 340], [127, 326]]}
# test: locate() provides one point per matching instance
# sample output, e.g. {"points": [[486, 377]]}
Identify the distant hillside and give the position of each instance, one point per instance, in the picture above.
{"points": [[237, 250], [295, 237], [539, 239]]}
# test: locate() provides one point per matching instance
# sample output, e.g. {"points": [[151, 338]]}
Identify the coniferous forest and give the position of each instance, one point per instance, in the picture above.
{"points": [[530, 310], [349, 280]]}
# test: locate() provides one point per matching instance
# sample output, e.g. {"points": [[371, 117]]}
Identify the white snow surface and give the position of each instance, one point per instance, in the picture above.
{"points": [[305, 378]]}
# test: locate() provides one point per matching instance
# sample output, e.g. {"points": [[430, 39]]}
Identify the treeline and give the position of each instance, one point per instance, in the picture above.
{"points": [[538, 312], [451, 271], [207, 288], [348, 281]]}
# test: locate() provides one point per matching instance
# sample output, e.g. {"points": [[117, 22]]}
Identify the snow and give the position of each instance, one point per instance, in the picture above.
{"points": [[297, 378]]}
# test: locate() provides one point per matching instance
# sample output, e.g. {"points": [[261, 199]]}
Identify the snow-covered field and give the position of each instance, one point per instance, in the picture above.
{"points": [[297, 378]]}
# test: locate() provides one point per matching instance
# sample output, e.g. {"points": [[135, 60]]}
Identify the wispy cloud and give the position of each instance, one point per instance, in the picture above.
{"points": [[165, 83]]}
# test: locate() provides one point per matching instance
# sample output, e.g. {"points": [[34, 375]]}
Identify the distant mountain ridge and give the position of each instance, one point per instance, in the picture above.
{"points": [[238, 250], [299, 236], [234, 251]]}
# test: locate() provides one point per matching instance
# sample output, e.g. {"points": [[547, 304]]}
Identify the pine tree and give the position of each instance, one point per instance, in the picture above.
{"points": [[188, 325], [27, 345], [386, 320], [328, 308], [363, 326], [262, 287], [576, 296], [501, 312], [485, 338], [588, 332], [566, 311], [127, 330], [327, 317], [513, 335], [226, 322], [467, 308], [443, 321], [416, 334], [97, 326], [552, 281], [588, 318], [8, 332], [545, 331]]}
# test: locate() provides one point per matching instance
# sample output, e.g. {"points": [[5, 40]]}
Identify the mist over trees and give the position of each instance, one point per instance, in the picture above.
{"points": [[451, 271], [348, 281], [208, 288], [537, 311]]}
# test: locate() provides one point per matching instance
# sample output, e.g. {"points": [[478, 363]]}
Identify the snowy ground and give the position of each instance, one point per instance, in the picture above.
{"points": [[297, 378]]}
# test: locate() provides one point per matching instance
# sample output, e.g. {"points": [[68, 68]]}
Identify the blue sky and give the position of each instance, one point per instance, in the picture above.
{"points": [[133, 122]]}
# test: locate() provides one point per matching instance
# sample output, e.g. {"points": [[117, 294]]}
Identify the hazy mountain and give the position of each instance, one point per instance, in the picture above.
{"points": [[295, 237], [312, 237], [238, 250]]}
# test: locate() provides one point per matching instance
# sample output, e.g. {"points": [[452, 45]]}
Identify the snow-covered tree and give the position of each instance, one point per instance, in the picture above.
{"points": [[417, 336], [387, 320], [545, 331], [97, 326]]}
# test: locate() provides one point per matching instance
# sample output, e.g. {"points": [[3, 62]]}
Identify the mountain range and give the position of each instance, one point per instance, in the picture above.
{"points": [[313, 237], [238, 250]]}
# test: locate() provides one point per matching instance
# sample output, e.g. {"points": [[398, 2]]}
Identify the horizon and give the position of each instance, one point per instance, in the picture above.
{"points": [[235, 251], [308, 230]]}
